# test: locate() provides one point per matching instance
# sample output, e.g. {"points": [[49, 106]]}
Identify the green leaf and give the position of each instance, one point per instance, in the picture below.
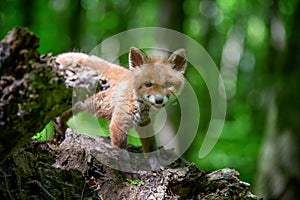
{"points": [[45, 134], [135, 182]]}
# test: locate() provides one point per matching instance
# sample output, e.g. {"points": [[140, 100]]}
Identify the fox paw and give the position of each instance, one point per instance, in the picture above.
{"points": [[71, 59]]}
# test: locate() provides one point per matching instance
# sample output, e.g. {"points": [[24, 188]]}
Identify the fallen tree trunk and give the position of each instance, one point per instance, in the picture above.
{"points": [[34, 92], [73, 170]]}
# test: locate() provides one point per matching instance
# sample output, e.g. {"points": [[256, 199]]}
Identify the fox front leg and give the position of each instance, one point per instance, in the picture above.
{"points": [[118, 135]]}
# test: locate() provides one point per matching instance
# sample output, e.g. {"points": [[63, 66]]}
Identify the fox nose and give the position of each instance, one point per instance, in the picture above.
{"points": [[159, 100]]}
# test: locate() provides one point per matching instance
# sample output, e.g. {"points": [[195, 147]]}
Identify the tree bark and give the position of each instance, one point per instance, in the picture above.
{"points": [[33, 92]]}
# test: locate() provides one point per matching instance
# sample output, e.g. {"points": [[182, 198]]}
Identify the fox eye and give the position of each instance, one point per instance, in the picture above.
{"points": [[168, 84], [148, 84]]}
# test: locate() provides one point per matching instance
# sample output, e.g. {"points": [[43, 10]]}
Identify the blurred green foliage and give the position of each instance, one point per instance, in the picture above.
{"points": [[237, 34], [87, 123]]}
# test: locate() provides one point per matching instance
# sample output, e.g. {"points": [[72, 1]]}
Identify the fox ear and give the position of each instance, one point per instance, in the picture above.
{"points": [[136, 58], [178, 59]]}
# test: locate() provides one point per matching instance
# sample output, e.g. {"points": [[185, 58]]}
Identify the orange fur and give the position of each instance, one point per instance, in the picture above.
{"points": [[149, 82]]}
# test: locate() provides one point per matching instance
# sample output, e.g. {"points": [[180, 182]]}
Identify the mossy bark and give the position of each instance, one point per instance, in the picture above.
{"points": [[32, 93]]}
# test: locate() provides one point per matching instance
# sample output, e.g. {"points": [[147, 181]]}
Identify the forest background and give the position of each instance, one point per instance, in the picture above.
{"points": [[255, 44]]}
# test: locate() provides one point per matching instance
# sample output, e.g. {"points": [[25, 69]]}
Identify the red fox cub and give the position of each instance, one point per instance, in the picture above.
{"points": [[148, 83]]}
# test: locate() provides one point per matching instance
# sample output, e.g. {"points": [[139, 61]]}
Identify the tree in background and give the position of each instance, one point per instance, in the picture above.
{"points": [[279, 165]]}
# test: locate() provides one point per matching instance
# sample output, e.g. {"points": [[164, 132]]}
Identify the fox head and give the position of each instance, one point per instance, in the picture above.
{"points": [[157, 80]]}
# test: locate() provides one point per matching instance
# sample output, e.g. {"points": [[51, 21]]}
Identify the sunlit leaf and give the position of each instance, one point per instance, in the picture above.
{"points": [[45, 134]]}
